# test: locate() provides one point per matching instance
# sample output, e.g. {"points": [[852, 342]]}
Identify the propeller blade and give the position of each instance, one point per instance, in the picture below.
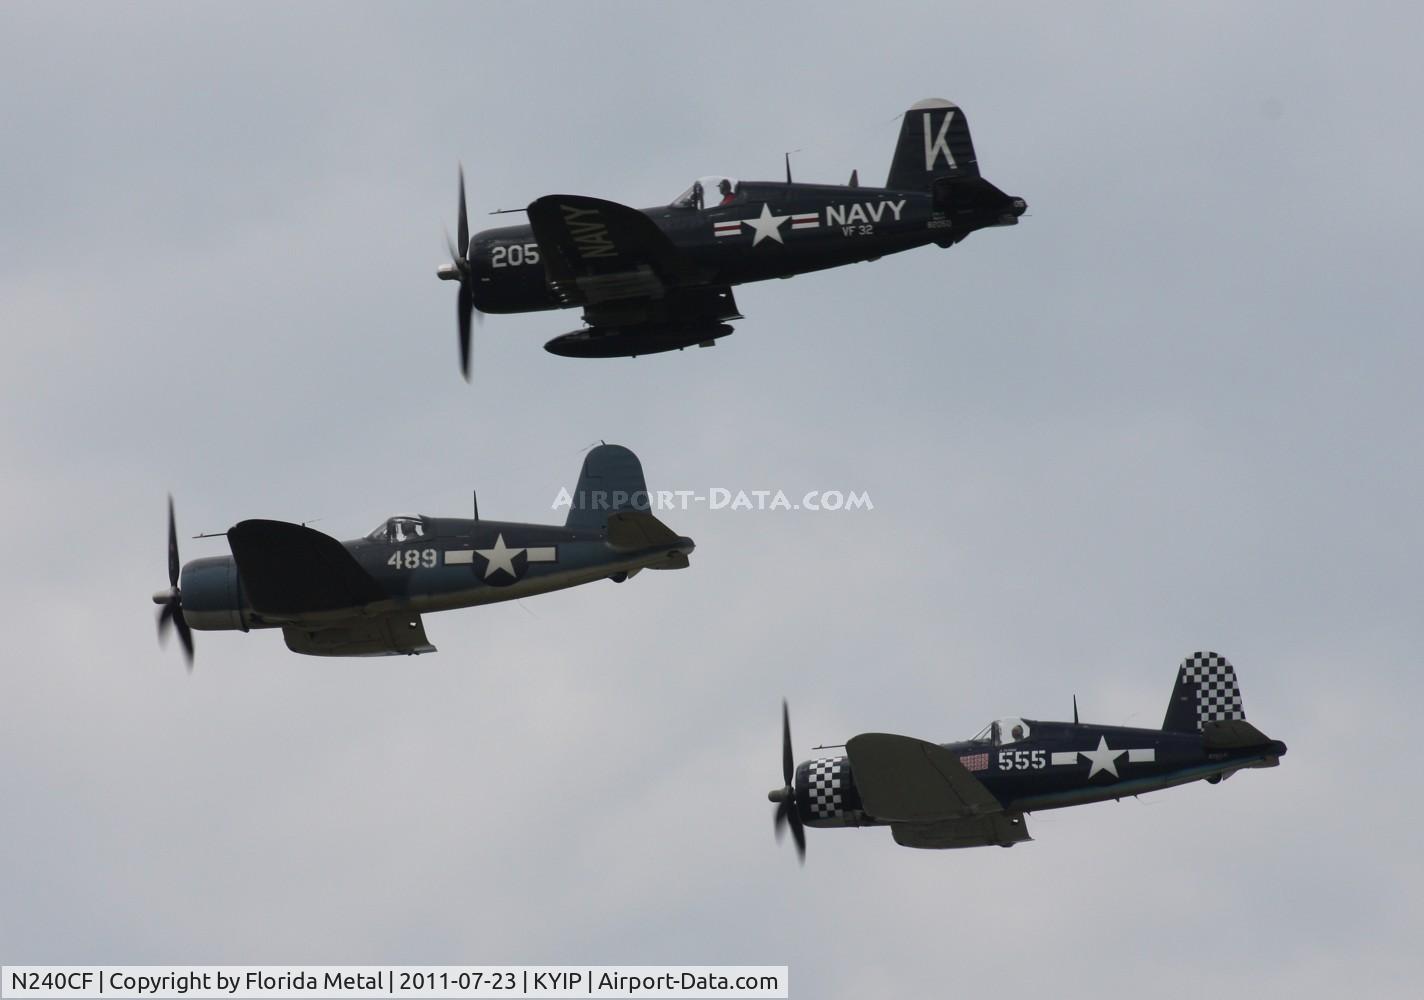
{"points": [[173, 565], [464, 221], [459, 252], [465, 307], [798, 834], [170, 611], [185, 636], [788, 762], [787, 813]]}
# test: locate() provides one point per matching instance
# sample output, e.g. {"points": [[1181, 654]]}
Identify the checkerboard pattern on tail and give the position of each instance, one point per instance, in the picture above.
{"points": [[1206, 691], [1218, 697], [825, 782]]}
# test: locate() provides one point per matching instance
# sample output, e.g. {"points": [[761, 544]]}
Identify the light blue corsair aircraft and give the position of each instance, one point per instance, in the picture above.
{"points": [[365, 597]]}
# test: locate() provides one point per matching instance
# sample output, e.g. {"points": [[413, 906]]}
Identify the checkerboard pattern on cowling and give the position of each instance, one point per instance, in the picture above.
{"points": [[824, 781], [1218, 697]]}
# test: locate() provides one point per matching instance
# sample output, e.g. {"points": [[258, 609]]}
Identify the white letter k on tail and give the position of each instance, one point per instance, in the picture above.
{"points": [[941, 141]]}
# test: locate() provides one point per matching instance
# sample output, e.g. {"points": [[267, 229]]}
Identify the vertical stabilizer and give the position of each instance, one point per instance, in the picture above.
{"points": [[934, 142], [1206, 691], [611, 480]]}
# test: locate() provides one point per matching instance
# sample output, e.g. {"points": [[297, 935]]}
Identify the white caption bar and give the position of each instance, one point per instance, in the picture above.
{"points": [[510, 982]]}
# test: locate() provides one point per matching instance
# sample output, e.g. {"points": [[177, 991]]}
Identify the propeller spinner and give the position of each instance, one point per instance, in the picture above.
{"points": [[787, 812], [170, 614]]}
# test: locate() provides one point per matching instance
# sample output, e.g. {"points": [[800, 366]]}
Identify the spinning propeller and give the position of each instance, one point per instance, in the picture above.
{"points": [[785, 797], [171, 600], [459, 270]]}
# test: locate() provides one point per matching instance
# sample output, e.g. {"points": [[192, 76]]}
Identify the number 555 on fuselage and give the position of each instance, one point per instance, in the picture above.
{"points": [[661, 278]]}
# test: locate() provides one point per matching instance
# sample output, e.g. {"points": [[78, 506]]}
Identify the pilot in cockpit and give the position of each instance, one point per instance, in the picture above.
{"points": [[404, 529], [695, 197]]}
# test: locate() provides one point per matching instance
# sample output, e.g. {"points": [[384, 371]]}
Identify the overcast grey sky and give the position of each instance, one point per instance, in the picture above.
{"points": [[1177, 408]]}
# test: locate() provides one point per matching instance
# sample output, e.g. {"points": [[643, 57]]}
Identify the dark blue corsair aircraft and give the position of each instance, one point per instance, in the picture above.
{"points": [[658, 279], [365, 597], [976, 793]]}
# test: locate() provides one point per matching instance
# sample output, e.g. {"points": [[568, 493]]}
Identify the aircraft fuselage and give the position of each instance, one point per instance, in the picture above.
{"points": [[1056, 764], [452, 563], [770, 230]]}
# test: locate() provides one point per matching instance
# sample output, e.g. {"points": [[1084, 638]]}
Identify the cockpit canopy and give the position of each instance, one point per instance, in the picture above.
{"points": [[402, 528], [708, 192], [1002, 732]]}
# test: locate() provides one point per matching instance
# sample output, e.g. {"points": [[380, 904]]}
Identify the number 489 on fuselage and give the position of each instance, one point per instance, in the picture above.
{"points": [[658, 279]]}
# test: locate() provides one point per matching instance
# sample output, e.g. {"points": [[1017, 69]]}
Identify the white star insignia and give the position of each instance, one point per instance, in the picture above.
{"points": [[767, 226], [499, 558], [1103, 758]]}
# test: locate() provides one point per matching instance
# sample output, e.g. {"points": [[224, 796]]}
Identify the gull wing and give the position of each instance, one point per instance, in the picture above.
{"points": [[290, 569], [901, 779], [599, 251]]}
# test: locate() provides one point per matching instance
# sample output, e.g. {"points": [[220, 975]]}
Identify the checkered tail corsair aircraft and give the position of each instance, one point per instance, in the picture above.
{"points": [[659, 279], [365, 597], [977, 792]]}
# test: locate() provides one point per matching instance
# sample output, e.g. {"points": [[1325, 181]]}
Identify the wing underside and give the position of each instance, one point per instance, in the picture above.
{"points": [[385, 635], [999, 830]]}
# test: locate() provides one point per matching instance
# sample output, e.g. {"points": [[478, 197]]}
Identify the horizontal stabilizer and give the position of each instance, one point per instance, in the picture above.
{"points": [[638, 529], [908, 780], [997, 829], [290, 569], [972, 202], [1232, 734]]}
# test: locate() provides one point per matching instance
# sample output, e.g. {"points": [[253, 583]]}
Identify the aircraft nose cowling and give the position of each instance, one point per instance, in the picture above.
{"points": [[212, 594], [826, 794]]}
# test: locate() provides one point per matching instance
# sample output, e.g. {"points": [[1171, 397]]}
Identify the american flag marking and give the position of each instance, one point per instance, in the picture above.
{"points": [[975, 762], [727, 228], [807, 220]]}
